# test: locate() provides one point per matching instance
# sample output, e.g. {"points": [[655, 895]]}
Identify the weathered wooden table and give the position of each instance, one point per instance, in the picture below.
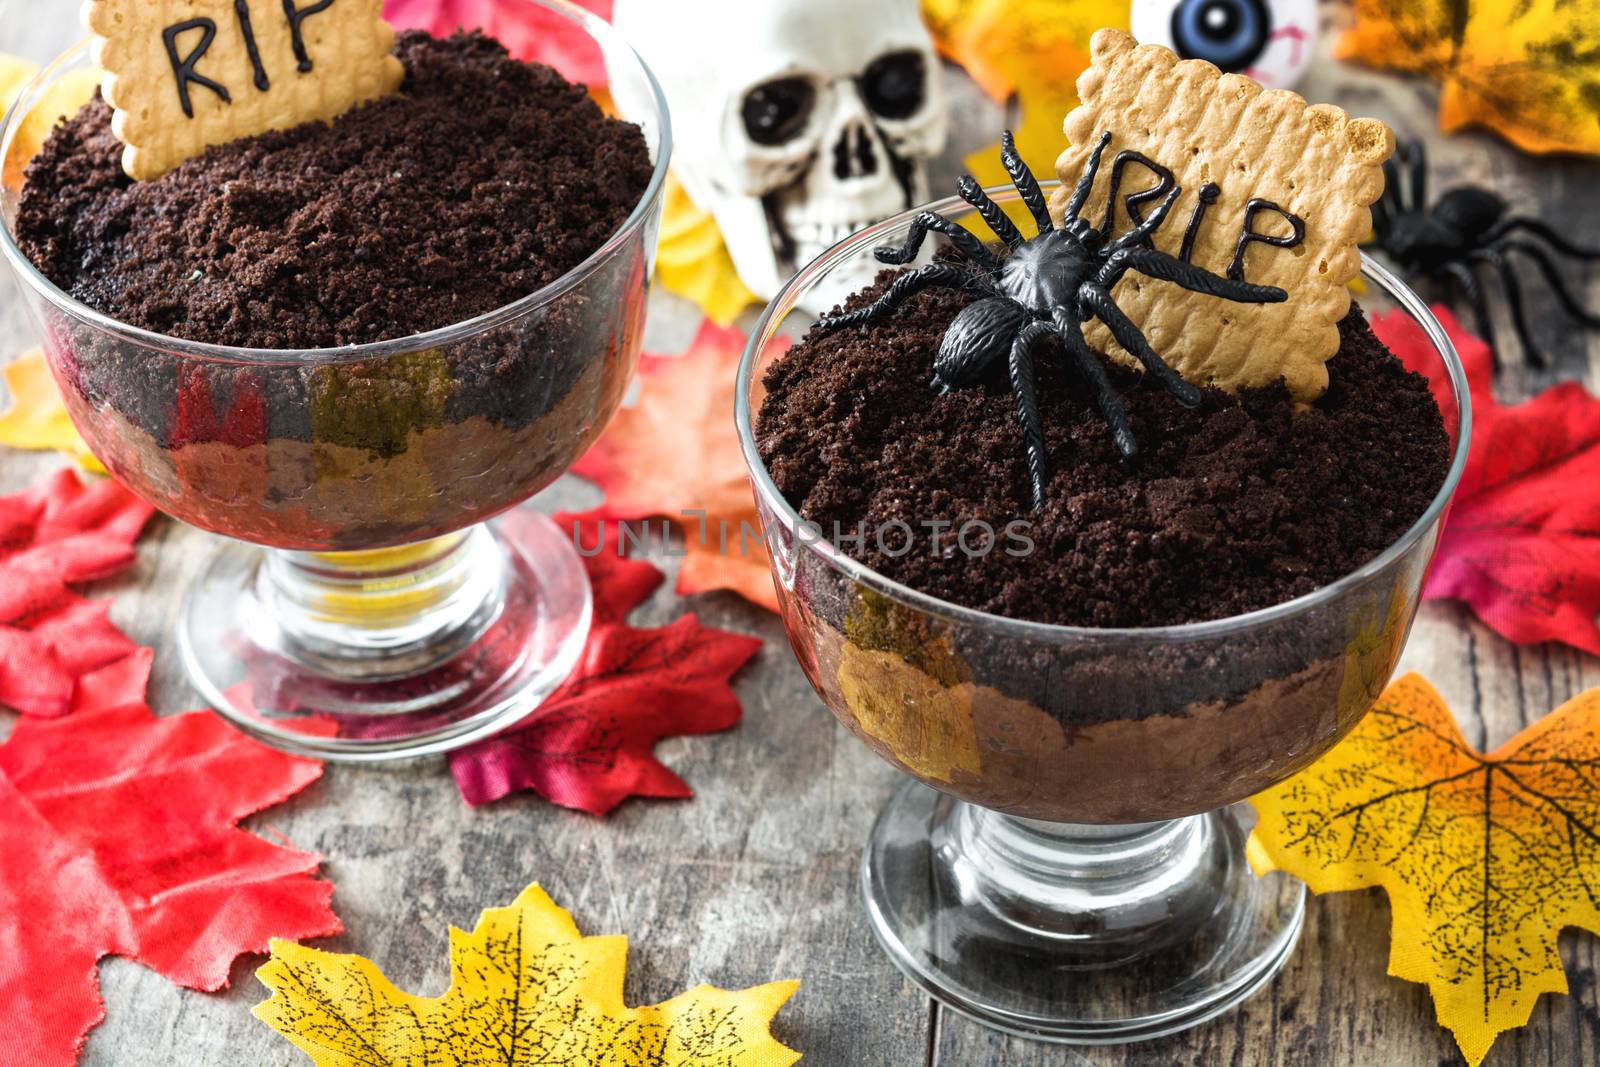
{"points": [[756, 878]]}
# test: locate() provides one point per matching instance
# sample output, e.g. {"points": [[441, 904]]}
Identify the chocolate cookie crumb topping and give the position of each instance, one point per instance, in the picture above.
{"points": [[1240, 504], [482, 181]]}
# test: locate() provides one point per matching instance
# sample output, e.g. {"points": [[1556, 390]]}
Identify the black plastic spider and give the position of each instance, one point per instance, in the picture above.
{"points": [[1046, 286], [1466, 228]]}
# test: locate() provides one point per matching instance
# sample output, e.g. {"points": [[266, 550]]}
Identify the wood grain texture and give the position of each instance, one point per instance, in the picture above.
{"points": [[755, 879]]}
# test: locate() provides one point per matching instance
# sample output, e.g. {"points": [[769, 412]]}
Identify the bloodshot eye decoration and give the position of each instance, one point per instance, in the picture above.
{"points": [[1268, 40]]}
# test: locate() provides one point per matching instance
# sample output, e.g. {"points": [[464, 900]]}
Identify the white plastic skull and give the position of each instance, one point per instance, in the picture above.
{"points": [[798, 122], [1271, 41]]}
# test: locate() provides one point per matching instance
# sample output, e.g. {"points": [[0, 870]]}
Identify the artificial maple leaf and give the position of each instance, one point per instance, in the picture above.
{"points": [[1522, 541], [589, 746], [57, 532], [15, 73], [528, 31], [115, 685], [65, 96], [526, 988], [693, 261], [1528, 69], [120, 837], [37, 419], [1032, 50], [676, 454], [1485, 858]]}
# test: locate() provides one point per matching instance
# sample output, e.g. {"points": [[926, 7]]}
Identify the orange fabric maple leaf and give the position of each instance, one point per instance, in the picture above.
{"points": [[1528, 69], [675, 455], [1485, 858], [1033, 50]]}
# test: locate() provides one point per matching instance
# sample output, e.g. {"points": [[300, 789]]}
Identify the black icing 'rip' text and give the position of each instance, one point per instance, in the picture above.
{"points": [[1250, 236], [1209, 194], [183, 66], [296, 16]]}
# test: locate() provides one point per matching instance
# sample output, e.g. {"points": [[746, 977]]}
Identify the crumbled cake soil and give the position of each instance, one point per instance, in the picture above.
{"points": [[1240, 504], [482, 181]]}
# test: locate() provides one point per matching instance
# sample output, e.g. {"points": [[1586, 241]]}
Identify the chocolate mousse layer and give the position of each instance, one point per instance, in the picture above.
{"points": [[484, 180]]}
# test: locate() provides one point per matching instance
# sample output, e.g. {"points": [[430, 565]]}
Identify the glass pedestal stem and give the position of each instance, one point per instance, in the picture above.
{"points": [[392, 653], [1099, 892], [384, 614], [1081, 934]]}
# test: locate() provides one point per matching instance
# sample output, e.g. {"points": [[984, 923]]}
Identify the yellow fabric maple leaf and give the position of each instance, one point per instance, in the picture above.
{"points": [[1031, 49], [15, 72], [1529, 69], [37, 418], [1486, 858], [526, 988], [693, 261], [64, 97]]}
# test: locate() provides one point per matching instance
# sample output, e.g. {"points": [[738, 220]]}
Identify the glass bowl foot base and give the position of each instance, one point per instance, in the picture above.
{"points": [[393, 653], [1090, 935]]}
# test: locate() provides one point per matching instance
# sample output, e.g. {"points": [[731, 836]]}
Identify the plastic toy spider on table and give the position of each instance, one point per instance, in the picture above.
{"points": [[1467, 228]]}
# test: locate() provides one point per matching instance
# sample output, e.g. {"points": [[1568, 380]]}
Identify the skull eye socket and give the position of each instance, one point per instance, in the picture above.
{"points": [[894, 86], [776, 112]]}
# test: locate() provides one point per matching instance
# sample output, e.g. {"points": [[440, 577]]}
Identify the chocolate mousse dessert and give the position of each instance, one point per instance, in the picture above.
{"points": [[1148, 417], [481, 181], [1239, 503]]}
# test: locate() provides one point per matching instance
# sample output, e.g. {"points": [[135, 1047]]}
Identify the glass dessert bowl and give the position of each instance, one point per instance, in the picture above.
{"points": [[1068, 861], [387, 615]]}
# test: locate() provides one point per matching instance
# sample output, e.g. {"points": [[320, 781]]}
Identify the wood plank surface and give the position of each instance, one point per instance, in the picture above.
{"points": [[756, 878]]}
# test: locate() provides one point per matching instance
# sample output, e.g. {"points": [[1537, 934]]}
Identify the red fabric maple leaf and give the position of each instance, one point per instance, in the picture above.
{"points": [[1522, 542], [590, 745], [528, 31], [56, 532], [119, 837], [675, 454]]}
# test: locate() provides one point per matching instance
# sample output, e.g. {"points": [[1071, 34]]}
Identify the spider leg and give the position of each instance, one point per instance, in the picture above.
{"points": [[1195, 279], [1080, 193], [1468, 283], [1416, 159], [1028, 407], [1002, 226], [1542, 229], [1552, 275], [946, 275], [1391, 184], [1106, 397], [1382, 217], [1025, 182], [1513, 291], [963, 239], [1141, 233], [1129, 337]]}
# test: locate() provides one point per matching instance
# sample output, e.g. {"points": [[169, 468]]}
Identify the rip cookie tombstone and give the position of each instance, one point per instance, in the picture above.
{"points": [[1272, 191], [185, 74]]}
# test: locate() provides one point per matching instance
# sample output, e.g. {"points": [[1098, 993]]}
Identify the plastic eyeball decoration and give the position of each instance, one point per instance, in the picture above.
{"points": [[1271, 41]]}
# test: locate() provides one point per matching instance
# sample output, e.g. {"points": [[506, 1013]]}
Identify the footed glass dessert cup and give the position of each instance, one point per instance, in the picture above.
{"points": [[369, 608], [1068, 860]]}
